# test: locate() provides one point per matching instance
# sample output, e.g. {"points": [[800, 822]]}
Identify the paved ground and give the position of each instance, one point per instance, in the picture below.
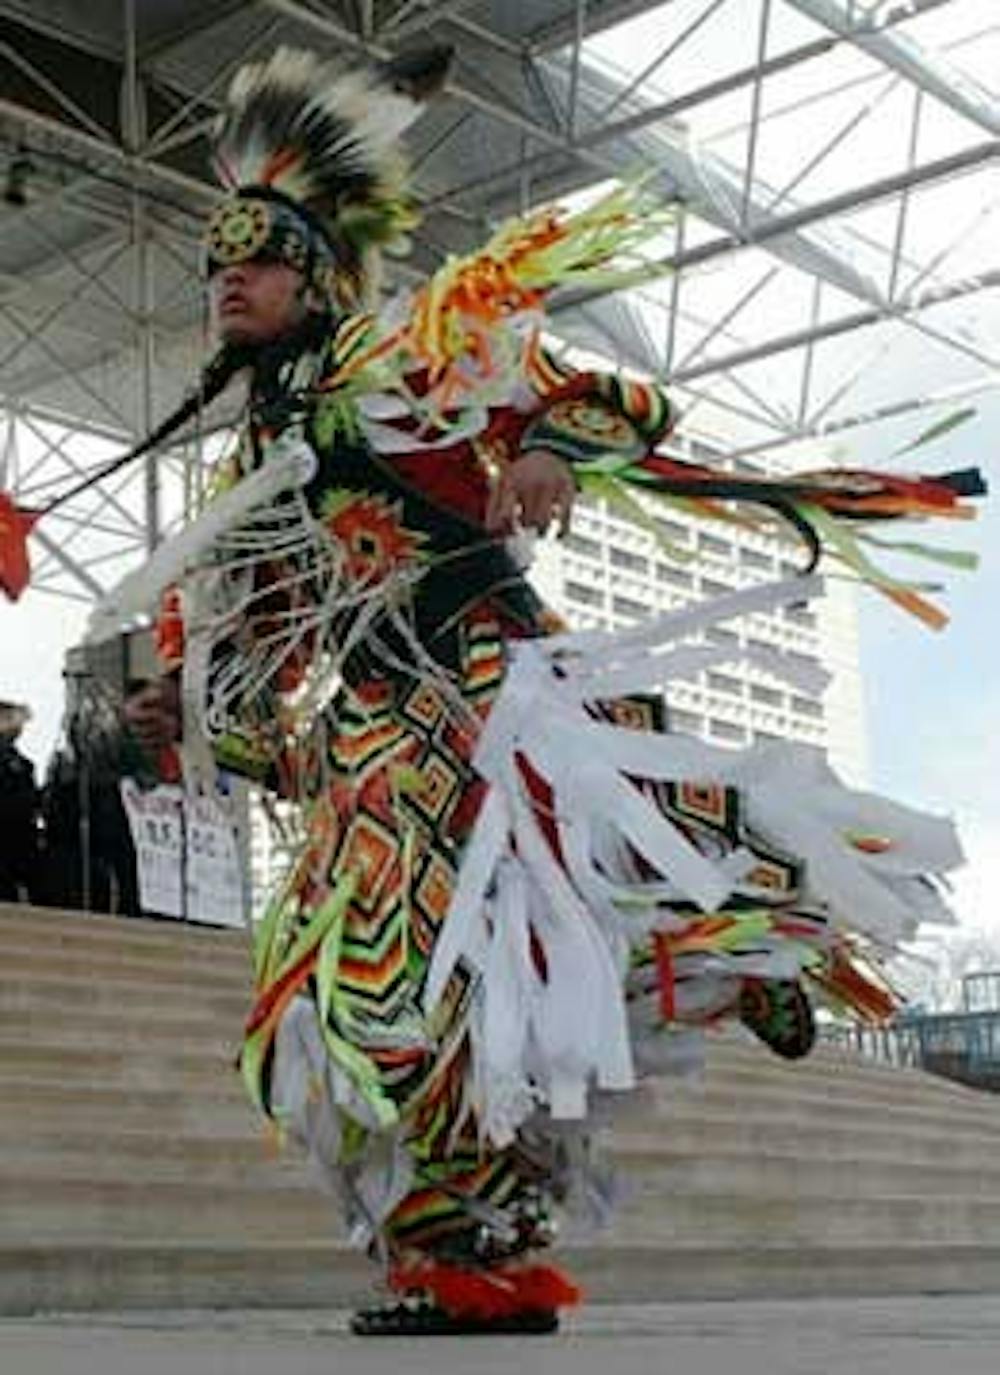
{"points": [[913, 1336]]}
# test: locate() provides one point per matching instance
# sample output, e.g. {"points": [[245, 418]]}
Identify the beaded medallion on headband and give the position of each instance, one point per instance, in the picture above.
{"points": [[249, 226], [312, 162]]}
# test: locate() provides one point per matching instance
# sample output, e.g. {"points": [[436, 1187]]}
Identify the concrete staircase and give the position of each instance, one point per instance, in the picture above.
{"points": [[134, 1175]]}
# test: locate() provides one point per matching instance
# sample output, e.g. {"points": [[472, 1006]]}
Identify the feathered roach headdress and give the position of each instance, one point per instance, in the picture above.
{"points": [[312, 161]]}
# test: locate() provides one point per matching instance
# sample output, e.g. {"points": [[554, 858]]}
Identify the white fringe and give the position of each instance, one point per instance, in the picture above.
{"points": [[550, 1039], [291, 463]]}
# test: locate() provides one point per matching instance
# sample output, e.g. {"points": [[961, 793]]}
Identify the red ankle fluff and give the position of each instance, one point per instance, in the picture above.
{"points": [[499, 1292]]}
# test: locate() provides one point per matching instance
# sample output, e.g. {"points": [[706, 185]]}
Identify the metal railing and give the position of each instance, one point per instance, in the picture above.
{"points": [[958, 1045], [897, 1045]]}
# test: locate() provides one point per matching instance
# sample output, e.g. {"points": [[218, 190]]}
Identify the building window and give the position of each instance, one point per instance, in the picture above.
{"points": [[711, 544], [769, 696], [580, 544], [624, 558], [625, 606], [760, 646], [764, 737], [804, 660], [807, 706], [722, 682], [725, 730], [677, 577], [717, 635], [750, 558], [687, 721], [713, 588], [679, 534], [801, 615], [585, 596]]}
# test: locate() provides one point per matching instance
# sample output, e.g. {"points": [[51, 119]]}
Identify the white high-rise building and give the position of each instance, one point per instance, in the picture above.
{"points": [[611, 572]]}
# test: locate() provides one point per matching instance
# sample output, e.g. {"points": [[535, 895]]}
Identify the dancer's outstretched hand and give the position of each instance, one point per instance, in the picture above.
{"points": [[535, 490]]}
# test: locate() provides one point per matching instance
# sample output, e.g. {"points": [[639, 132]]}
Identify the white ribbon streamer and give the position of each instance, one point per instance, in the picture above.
{"points": [[556, 1028]]}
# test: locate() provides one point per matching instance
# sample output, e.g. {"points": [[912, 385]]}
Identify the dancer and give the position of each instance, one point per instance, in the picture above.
{"points": [[516, 890]]}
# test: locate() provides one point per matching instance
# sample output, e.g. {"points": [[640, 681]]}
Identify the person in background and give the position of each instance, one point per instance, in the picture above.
{"points": [[18, 810], [82, 805]]}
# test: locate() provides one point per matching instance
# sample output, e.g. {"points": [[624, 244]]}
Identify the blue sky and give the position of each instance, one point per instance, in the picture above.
{"points": [[933, 699]]}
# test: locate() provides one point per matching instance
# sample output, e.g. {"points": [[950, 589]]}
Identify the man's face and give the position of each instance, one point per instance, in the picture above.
{"points": [[255, 302]]}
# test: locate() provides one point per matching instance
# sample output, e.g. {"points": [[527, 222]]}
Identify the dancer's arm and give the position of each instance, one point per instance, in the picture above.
{"points": [[580, 416]]}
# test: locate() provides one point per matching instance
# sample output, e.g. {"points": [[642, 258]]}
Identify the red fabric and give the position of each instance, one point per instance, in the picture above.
{"points": [[874, 493], [456, 476], [170, 629], [15, 527], [168, 764], [499, 1292], [665, 976]]}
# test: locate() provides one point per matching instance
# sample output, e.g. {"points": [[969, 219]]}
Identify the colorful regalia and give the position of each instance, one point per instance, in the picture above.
{"points": [[517, 891]]}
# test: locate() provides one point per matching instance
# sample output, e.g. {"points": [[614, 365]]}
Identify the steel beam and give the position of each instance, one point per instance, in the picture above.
{"points": [[55, 550], [901, 54], [661, 58], [763, 234], [494, 106], [661, 111], [64, 101], [847, 324], [893, 410], [87, 144]]}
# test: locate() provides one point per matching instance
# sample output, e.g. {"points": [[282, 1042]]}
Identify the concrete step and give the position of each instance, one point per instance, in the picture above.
{"points": [[809, 1103], [838, 1066], [200, 1070], [255, 1163], [33, 1106], [90, 1122], [837, 1087], [839, 1071], [132, 1056], [91, 990], [715, 1217], [37, 1207], [155, 1276], [669, 1170], [92, 1117], [107, 1147], [103, 1274], [616, 1272], [136, 1028], [40, 927], [758, 1137], [111, 966], [199, 1067], [736, 1047], [661, 1206], [731, 1152], [204, 1033], [44, 1083]]}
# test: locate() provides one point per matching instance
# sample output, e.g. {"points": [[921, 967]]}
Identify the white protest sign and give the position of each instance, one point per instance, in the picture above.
{"points": [[214, 881], [156, 821]]}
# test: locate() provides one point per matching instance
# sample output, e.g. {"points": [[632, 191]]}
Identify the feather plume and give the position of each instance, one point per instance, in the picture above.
{"points": [[329, 142]]}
